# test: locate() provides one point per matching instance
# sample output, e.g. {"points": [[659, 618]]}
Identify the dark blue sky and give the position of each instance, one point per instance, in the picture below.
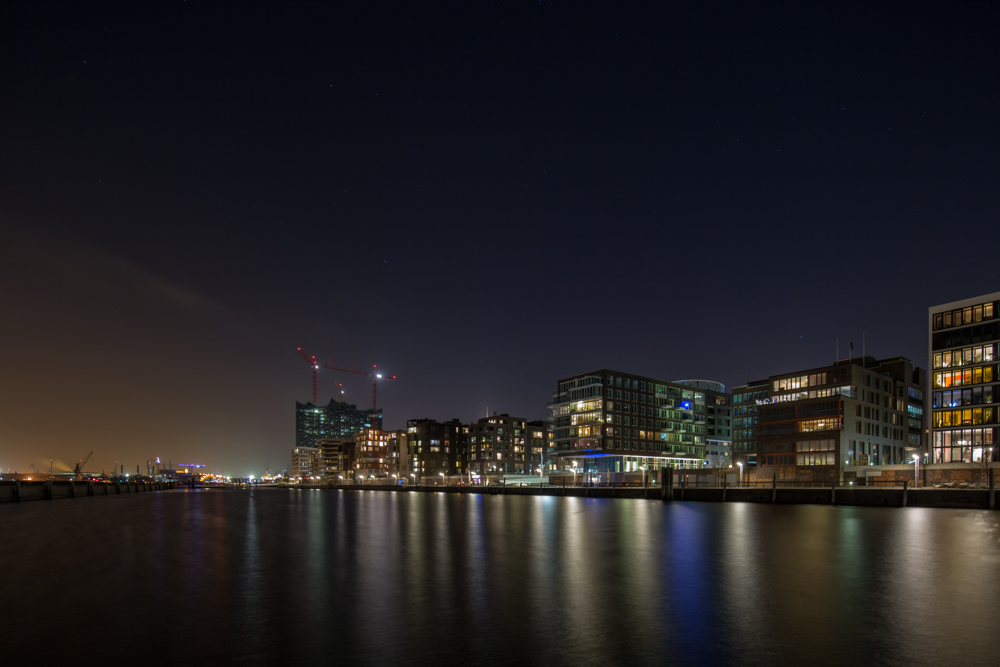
{"points": [[480, 198]]}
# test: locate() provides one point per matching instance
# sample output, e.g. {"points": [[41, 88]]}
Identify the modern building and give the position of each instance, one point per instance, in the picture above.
{"points": [[859, 411], [334, 420], [718, 453], [338, 458], [539, 434], [307, 463], [371, 455], [963, 395], [399, 455], [610, 421], [503, 444], [718, 429], [437, 448], [745, 405]]}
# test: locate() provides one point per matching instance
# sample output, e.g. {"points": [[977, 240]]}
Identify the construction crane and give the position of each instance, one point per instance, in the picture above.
{"points": [[78, 470], [315, 367], [374, 375]]}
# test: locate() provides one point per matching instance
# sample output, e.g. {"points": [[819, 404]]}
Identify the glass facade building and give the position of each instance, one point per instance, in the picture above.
{"points": [[746, 401], [963, 394], [336, 420], [718, 439], [610, 421]]}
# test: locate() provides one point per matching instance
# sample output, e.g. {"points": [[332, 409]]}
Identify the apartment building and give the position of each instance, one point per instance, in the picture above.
{"points": [[611, 421], [503, 444], [437, 448]]}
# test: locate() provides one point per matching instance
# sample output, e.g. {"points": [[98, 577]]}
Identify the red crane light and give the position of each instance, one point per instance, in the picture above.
{"points": [[374, 375]]}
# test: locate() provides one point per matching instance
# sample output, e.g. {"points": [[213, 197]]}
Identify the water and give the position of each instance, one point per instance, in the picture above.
{"points": [[214, 577]]}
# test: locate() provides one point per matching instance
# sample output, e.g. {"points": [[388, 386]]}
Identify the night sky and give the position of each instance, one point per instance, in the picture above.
{"points": [[480, 198]]}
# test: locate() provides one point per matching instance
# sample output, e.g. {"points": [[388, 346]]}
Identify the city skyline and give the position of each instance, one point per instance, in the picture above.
{"points": [[191, 195]]}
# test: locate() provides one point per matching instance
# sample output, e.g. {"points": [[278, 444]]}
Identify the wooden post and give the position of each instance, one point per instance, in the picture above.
{"points": [[48, 489], [17, 490], [774, 487], [90, 488], [666, 483], [723, 489], [833, 491], [904, 492], [993, 491]]}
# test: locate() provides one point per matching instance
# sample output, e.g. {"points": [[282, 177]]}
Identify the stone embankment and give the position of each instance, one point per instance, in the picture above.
{"points": [[18, 490]]}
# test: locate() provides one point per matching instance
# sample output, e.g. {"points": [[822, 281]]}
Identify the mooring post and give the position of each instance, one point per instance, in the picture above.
{"points": [[723, 489], [666, 483], [833, 491], [774, 487], [905, 482], [90, 488], [48, 489], [17, 490], [993, 491]]}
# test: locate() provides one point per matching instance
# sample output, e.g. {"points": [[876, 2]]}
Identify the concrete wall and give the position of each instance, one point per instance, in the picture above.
{"points": [[930, 474], [847, 496], [13, 491]]}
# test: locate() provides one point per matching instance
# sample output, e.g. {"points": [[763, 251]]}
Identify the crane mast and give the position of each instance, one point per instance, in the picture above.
{"points": [[374, 375], [78, 471]]}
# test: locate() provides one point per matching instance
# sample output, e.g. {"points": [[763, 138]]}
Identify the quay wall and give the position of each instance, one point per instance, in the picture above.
{"points": [[19, 490], [830, 495]]}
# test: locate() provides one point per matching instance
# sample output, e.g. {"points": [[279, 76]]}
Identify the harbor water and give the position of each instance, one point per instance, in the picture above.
{"points": [[367, 577]]}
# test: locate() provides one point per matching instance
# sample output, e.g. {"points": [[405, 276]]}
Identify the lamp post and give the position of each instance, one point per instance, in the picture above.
{"points": [[574, 473], [740, 464]]}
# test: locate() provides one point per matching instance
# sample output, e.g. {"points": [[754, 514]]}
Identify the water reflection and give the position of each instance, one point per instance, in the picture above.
{"points": [[381, 578]]}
